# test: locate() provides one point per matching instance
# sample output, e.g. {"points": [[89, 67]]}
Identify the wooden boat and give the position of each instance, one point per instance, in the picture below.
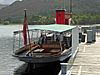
{"points": [[52, 43]]}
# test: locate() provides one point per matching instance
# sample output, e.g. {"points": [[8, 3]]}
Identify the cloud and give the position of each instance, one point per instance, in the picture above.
{"points": [[6, 1], [1, 1]]}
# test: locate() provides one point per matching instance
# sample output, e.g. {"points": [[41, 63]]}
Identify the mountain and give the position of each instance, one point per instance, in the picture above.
{"points": [[2, 6], [7, 2], [32, 6], [87, 6], [45, 7]]}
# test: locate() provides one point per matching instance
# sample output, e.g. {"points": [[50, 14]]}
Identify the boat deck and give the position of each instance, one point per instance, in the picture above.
{"points": [[87, 61]]}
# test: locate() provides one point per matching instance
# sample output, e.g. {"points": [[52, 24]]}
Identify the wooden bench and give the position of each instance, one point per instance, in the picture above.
{"points": [[51, 46], [25, 48]]}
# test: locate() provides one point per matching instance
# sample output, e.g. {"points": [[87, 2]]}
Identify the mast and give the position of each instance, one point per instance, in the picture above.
{"points": [[70, 6]]}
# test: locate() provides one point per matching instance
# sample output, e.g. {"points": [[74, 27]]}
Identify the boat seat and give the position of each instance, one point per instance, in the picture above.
{"points": [[51, 46], [21, 50]]}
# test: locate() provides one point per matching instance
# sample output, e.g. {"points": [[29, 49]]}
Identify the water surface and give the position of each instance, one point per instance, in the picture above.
{"points": [[8, 63]]}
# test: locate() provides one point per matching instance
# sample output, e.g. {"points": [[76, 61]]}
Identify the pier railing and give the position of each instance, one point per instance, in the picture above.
{"points": [[66, 68]]}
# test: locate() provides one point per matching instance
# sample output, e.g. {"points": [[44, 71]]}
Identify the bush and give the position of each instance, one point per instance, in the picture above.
{"points": [[6, 22]]}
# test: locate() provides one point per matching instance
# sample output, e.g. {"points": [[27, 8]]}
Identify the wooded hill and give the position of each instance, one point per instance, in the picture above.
{"points": [[48, 7], [2, 6]]}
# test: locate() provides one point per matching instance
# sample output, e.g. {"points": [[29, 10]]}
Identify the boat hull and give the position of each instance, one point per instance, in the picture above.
{"points": [[47, 59]]}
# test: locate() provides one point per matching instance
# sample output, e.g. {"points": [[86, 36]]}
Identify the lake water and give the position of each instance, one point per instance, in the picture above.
{"points": [[8, 63], [7, 30]]}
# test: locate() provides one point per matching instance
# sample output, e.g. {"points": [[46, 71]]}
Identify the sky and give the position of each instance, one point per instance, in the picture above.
{"points": [[7, 1]]}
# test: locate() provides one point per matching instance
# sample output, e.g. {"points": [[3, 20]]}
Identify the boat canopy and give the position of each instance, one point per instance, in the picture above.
{"points": [[53, 27]]}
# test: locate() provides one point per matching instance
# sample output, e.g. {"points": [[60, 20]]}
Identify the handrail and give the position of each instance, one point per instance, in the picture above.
{"points": [[20, 31]]}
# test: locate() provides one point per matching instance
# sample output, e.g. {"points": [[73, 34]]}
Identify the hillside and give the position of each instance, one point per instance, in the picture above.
{"points": [[87, 6], [32, 6], [2, 6], [45, 7]]}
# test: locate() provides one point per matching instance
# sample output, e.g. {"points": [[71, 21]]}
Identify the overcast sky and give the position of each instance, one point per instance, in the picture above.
{"points": [[6, 1]]}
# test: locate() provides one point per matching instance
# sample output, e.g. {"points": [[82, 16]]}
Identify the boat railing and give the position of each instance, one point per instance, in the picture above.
{"points": [[18, 41]]}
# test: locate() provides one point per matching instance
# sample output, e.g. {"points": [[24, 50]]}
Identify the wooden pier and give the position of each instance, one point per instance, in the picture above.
{"points": [[87, 61]]}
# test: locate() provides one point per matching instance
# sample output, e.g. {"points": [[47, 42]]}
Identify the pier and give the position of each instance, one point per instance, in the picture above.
{"points": [[87, 61]]}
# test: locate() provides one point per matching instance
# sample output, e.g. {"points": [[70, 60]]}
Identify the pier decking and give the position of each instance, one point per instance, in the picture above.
{"points": [[87, 61]]}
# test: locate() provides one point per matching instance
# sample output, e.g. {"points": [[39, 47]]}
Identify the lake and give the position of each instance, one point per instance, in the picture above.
{"points": [[7, 30], [7, 62]]}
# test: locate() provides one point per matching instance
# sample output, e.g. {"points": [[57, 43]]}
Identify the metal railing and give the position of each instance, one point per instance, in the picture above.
{"points": [[66, 68]]}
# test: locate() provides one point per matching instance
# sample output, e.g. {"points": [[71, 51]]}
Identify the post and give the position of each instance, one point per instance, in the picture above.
{"points": [[70, 8], [75, 41], [93, 33], [64, 69], [13, 42]]}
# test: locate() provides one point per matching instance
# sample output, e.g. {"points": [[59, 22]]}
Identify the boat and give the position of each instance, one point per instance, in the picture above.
{"points": [[50, 43], [44, 47]]}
